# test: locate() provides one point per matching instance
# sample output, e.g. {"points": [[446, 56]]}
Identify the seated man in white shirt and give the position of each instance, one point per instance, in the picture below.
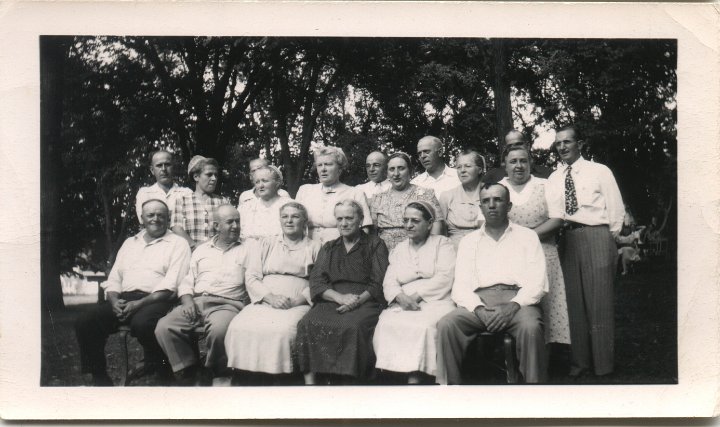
{"points": [[140, 290], [438, 176], [249, 194], [376, 168], [500, 278], [211, 294], [165, 188]]}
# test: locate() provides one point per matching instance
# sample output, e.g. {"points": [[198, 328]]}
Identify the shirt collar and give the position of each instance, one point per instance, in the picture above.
{"points": [[483, 233], [363, 239], [575, 166], [141, 236], [331, 189], [213, 243]]}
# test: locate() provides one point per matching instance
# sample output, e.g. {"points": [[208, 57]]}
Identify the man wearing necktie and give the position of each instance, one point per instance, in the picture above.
{"points": [[586, 196]]}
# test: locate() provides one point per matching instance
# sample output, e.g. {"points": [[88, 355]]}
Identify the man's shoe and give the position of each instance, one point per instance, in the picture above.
{"points": [[221, 382]]}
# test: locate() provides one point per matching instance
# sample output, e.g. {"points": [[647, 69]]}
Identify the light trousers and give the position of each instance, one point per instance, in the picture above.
{"points": [[175, 335]]}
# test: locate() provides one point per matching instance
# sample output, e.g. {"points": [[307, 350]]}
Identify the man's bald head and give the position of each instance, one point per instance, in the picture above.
{"points": [[226, 220], [376, 166], [515, 138]]}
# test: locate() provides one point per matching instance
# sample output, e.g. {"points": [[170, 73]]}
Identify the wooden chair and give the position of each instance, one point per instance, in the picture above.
{"points": [[123, 333], [510, 364]]}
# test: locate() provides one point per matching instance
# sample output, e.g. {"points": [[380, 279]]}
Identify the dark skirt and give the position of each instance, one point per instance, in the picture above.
{"points": [[332, 343]]}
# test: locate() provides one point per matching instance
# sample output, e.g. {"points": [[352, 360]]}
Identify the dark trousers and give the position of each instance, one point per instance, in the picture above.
{"points": [[93, 328], [589, 263]]}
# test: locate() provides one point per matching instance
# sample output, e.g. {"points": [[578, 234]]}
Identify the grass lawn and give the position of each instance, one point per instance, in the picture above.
{"points": [[645, 344]]}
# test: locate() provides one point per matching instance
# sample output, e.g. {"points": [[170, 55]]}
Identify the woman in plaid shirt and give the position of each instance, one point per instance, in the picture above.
{"points": [[192, 215]]}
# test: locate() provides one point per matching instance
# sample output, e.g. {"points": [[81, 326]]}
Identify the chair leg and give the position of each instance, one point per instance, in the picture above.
{"points": [[126, 356], [510, 363]]}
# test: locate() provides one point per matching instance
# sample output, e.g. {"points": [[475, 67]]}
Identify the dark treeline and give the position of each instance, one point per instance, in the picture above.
{"points": [[107, 102]]}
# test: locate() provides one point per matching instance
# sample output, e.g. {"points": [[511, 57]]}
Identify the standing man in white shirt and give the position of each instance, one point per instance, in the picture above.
{"points": [[585, 195], [165, 188], [140, 290], [498, 286], [438, 176], [250, 194], [211, 295], [376, 168]]}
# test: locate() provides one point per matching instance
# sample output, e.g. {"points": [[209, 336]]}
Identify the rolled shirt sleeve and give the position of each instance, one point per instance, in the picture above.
{"points": [[178, 267], [534, 283], [114, 281], [613, 201], [466, 280]]}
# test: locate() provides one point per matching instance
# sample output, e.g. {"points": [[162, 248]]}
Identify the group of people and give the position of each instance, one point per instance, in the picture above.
{"points": [[398, 274]]}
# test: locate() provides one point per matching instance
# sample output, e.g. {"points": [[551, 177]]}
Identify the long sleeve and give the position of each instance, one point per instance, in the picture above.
{"points": [[535, 282], [391, 285], [437, 286], [178, 266], [463, 291], [139, 200], [613, 201], [254, 274], [319, 280], [178, 218], [359, 196], [379, 265], [114, 281]]}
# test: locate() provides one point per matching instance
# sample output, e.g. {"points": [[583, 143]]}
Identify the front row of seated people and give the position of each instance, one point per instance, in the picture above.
{"points": [[282, 304]]}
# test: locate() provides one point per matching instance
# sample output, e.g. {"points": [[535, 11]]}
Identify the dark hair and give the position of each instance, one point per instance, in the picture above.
{"points": [[402, 155], [578, 135], [426, 214], [491, 184], [508, 149]]}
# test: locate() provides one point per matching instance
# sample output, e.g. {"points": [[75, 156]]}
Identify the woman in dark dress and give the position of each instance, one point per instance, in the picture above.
{"points": [[335, 337]]}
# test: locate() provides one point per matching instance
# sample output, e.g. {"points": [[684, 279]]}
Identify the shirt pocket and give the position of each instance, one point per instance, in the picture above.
{"points": [[587, 192]]}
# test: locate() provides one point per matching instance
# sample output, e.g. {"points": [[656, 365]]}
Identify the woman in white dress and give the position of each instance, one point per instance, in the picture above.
{"points": [[260, 216], [529, 209], [417, 286], [320, 199], [261, 337]]}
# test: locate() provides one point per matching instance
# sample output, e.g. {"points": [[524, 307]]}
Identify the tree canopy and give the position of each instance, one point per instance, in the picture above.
{"points": [[119, 98]]}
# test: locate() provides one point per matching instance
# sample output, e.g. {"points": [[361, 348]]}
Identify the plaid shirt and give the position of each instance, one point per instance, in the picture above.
{"points": [[195, 216]]}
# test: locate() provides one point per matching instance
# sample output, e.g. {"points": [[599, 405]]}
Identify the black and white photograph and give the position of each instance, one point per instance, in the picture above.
{"points": [[360, 214]]}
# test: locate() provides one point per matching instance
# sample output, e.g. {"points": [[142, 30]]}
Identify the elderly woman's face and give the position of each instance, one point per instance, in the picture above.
{"points": [[517, 166], [207, 179], [398, 173], [348, 221], [328, 170], [467, 170], [292, 221], [266, 187], [417, 227]]}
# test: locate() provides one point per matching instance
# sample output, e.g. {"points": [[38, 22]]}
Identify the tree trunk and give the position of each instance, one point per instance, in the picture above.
{"points": [[53, 50], [501, 91]]}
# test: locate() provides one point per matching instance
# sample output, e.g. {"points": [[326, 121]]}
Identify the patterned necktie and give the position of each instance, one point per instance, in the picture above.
{"points": [[571, 205]]}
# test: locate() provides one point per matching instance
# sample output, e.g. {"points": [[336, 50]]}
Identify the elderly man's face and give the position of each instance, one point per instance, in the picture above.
{"points": [[227, 223], [376, 167], [155, 218], [429, 154], [162, 168], [495, 204]]}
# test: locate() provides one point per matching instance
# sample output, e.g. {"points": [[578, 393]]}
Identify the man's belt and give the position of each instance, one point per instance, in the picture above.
{"points": [[571, 225], [501, 287], [207, 294]]}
